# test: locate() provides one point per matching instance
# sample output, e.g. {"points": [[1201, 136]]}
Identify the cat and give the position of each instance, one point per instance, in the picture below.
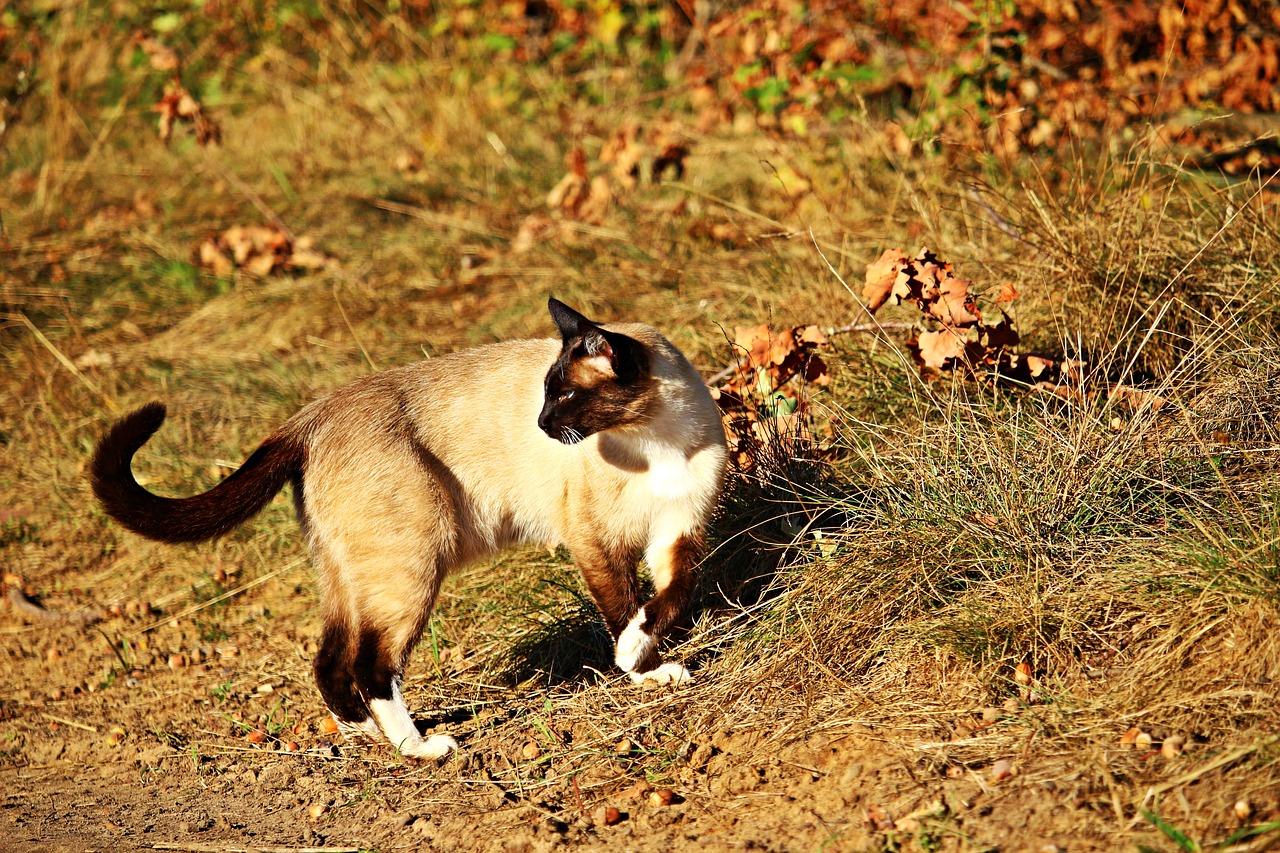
{"points": [[605, 440]]}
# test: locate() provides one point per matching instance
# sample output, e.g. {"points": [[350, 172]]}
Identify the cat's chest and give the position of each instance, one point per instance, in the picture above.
{"points": [[670, 477]]}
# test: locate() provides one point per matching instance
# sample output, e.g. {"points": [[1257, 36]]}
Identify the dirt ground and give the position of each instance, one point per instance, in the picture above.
{"points": [[122, 738]]}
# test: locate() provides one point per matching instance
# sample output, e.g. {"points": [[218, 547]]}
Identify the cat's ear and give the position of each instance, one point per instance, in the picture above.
{"points": [[621, 355], [570, 323], [573, 326]]}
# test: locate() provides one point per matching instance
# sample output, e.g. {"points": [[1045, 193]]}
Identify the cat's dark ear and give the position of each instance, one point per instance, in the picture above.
{"points": [[574, 326], [570, 323]]}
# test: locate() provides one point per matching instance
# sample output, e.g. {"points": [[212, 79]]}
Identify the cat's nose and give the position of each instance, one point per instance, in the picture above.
{"points": [[545, 421]]}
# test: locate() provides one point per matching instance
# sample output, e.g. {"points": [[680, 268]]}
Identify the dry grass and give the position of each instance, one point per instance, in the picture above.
{"points": [[884, 593]]}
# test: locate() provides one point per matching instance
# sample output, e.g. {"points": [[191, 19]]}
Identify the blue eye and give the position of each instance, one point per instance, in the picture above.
{"points": [[566, 395]]}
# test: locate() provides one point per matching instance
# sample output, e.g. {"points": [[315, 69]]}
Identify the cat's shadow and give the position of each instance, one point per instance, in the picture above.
{"points": [[573, 649]]}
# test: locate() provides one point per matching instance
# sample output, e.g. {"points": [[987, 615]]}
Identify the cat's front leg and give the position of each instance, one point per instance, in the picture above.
{"points": [[672, 559]]}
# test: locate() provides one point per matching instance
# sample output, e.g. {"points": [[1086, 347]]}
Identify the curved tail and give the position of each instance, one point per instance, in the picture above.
{"points": [[218, 511]]}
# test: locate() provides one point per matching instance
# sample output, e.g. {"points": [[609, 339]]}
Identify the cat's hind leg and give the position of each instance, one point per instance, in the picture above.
{"points": [[380, 568], [394, 605]]}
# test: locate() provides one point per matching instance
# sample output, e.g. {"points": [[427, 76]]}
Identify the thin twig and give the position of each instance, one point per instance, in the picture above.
{"points": [[64, 721], [195, 608], [428, 216]]}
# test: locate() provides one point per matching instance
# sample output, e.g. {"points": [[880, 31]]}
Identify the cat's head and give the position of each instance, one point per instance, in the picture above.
{"points": [[601, 380]]}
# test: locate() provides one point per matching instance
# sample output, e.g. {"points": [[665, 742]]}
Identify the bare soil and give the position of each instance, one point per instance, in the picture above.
{"points": [[153, 748]]}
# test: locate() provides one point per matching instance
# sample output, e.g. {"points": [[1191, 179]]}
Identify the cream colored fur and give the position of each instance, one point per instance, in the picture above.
{"points": [[414, 472]]}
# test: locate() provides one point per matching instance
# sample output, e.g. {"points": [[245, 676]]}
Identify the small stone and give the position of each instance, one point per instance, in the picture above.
{"points": [[52, 655], [258, 735], [530, 751], [662, 797], [317, 811], [1143, 741], [624, 747], [1243, 809], [1002, 769], [1011, 704], [177, 661], [606, 816], [328, 726], [1130, 737], [991, 715], [1172, 746]]}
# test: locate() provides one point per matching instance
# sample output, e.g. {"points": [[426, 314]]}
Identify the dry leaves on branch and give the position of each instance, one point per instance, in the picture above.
{"points": [[763, 395], [954, 338], [259, 250]]}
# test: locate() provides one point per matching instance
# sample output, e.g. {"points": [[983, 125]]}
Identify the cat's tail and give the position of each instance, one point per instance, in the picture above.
{"points": [[218, 511]]}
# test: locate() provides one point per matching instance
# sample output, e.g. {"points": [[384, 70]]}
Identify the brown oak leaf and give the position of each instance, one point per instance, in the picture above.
{"points": [[936, 350], [881, 277]]}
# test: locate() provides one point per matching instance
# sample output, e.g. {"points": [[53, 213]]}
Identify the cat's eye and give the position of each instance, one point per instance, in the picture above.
{"points": [[565, 396]]}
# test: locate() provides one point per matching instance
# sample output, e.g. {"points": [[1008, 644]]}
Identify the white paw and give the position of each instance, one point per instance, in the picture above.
{"points": [[432, 748], [667, 673], [633, 643], [365, 729]]}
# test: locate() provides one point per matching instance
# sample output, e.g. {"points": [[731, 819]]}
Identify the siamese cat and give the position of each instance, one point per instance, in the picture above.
{"points": [[605, 440]]}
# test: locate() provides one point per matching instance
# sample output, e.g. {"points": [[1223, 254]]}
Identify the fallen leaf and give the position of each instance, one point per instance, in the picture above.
{"points": [[624, 151], [161, 57], [566, 195], [953, 305], [936, 350]]}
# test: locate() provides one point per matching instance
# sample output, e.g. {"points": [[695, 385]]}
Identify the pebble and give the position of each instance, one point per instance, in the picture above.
{"points": [[606, 816], [662, 797]]}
